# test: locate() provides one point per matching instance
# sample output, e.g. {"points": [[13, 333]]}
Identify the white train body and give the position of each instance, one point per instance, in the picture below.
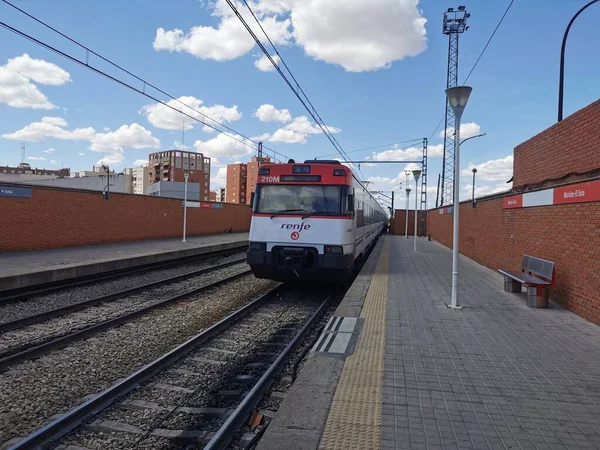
{"points": [[312, 221]]}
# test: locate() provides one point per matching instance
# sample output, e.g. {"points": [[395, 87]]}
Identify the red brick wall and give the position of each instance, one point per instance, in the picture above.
{"points": [[569, 235], [399, 222], [54, 218], [572, 145]]}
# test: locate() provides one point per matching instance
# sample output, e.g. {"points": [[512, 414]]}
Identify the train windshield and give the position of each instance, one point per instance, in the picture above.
{"points": [[299, 199]]}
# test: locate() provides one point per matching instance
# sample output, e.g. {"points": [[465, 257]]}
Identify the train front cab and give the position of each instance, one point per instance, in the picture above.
{"points": [[287, 263]]}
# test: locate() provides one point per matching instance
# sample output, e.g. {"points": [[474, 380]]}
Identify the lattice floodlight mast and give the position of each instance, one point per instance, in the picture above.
{"points": [[455, 23], [423, 213]]}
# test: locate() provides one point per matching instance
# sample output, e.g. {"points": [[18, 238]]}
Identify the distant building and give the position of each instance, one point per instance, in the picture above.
{"points": [[96, 171], [140, 179], [252, 175], [213, 196], [168, 166], [241, 180], [120, 183], [25, 169], [221, 196], [175, 189], [236, 183]]}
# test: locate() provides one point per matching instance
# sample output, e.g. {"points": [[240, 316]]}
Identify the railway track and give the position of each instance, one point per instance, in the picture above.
{"points": [[14, 295], [36, 318], [199, 393], [41, 345]]}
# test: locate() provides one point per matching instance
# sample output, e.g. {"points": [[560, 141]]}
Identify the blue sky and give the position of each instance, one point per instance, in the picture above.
{"points": [[372, 70]]}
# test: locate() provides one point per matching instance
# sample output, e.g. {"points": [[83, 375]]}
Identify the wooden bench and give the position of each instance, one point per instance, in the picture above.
{"points": [[536, 274]]}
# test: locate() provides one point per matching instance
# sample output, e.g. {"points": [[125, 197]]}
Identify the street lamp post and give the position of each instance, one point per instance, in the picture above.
{"points": [[458, 97], [186, 176], [416, 174], [561, 80], [473, 195], [407, 198]]}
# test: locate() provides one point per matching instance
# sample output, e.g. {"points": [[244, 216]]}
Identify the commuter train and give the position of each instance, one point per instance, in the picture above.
{"points": [[311, 221]]}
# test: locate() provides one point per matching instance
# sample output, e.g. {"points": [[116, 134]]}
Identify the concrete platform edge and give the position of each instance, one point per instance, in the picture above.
{"points": [[301, 418], [74, 271]]}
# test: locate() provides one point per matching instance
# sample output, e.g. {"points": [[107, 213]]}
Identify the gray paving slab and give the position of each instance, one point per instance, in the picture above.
{"points": [[21, 269], [494, 375]]}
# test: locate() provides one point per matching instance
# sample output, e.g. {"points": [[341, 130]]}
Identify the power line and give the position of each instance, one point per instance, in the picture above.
{"points": [[490, 39], [311, 110], [480, 55], [145, 83], [374, 147]]}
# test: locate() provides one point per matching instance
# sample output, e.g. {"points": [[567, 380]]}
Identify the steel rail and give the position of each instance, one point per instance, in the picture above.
{"points": [[19, 323], [12, 295], [62, 341], [224, 435], [65, 423]]}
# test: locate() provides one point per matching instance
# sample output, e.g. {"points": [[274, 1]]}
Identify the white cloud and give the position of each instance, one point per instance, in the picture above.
{"points": [[106, 129], [166, 118], [223, 145], [16, 87], [361, 35], [302, 125], [264, 64], [493, 170], [112, 143], [435, 151], [297, 131], [396, 153], [58, 121], [220, 178], [18, 92], [179, 146], [229, 40], [81, 154], [262, 137], [288, 136], [50, 127], [36, 158], [38, 70], [140, 163], [268, 113], [53, 161], [467, 130], [390, 30], [50, 150]]}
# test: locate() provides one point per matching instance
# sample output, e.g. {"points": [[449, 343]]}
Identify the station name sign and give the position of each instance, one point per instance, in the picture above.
{"points": [[18, 192], [208, 205], [574, 193]]}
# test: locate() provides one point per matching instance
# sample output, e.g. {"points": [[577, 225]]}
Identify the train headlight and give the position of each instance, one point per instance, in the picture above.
{"points": [[258, 245], [334, 249]]}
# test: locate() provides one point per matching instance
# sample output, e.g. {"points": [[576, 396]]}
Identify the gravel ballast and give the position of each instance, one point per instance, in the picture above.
{"points": [[33, 391], [192, 382], [68, 296], [37, 333]]}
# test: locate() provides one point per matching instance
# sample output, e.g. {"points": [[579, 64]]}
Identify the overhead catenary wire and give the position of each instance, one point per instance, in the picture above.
{"points": [[86, 64], [480, 56], [376, 146], [311, 110]]}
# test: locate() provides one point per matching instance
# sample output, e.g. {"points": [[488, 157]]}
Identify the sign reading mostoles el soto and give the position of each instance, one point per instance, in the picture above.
{"points": [[574, 193]]}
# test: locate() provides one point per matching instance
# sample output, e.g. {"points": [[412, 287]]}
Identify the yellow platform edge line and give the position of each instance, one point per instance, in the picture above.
{"points": [[354, 420]]}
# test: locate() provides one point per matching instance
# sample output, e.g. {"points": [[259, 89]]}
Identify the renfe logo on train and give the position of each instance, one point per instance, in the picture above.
{"points": [[295, 226]]}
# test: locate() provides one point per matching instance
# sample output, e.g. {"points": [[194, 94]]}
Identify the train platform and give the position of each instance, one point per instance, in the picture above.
{"points": [[397, 369], [30, 268]]}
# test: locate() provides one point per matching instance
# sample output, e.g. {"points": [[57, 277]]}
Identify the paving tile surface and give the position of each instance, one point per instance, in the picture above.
{"points": [[495, 375]]}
